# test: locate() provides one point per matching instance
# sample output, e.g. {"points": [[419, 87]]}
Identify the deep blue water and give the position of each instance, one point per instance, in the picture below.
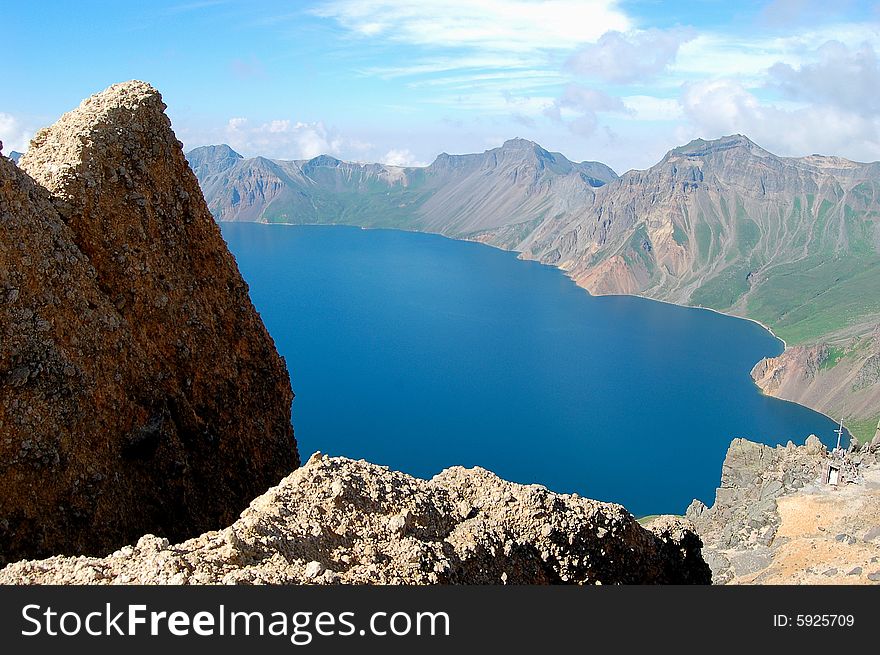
{"points": [[419, 352]]}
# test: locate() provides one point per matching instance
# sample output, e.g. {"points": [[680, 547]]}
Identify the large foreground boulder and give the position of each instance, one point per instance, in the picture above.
{"points": [[342, 521], [139, 389]]}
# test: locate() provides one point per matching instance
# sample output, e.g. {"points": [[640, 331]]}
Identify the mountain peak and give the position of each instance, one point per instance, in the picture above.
{"points": [[518, 143], [133, 410], [324, 160], [206, 160], [524, 149], [703, 147], [220, 151]]}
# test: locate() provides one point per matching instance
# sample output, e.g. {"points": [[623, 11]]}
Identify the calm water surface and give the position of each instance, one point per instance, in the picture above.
{"points": [[419, 352]]}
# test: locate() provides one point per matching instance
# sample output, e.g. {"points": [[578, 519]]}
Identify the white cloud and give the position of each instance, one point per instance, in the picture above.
{"points": [[786, 13], [489, 25], [288, 139], [582, 98], [492, 101], [718, 107], [313, 140], [447, 64], [13, 134], [277, 139], [582, 105], [523, 119], [528, 78], [826, 100], [841, 77], [402, 157], [491, 66], [650, 108], [716, 54], [475, 52], [622, 58], [236, 124], [277, 127]]}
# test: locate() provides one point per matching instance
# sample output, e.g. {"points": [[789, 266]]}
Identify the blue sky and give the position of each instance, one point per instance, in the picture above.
{"points": [[400, 81]]}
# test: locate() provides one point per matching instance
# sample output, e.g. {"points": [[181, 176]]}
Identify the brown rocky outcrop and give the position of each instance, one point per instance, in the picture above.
{"points": [[139, 389], [797, 366], [339, 521]]}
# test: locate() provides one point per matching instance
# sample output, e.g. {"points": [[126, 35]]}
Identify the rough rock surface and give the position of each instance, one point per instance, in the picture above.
{"points": [[747, 532], [342, 521], [139, 389]]}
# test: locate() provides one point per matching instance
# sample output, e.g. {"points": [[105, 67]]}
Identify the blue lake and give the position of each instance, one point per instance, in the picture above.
{"points": [[419, 352]]}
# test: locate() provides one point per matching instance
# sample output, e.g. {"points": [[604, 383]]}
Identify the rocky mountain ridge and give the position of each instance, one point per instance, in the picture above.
{"points": [[790, 242], [457, 195], [724, 224]]}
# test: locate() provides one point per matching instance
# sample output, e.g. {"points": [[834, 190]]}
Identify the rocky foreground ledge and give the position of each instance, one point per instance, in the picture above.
{"points": [[776, 520], [339, 521]]}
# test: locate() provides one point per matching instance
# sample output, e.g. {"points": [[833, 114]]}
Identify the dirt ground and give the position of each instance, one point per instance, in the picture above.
{"points": [[828, 535]]}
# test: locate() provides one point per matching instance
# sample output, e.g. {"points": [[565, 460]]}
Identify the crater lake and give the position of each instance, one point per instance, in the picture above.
{"points": [[419, 352]]}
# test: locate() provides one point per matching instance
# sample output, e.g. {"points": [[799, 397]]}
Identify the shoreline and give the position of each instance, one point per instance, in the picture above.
{"points": [[519, 255]]}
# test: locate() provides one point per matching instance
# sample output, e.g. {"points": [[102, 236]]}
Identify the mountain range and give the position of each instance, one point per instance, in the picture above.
{"points": [[724, 224]]}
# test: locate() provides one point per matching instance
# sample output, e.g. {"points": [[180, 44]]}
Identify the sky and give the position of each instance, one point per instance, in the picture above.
{"points": [[400, 81]]}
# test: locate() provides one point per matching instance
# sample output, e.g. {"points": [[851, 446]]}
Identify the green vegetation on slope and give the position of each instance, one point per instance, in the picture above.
{"points": [[833, 358], [639, 248], [802, 301], [723, 290], [704, 241], [863, 429], [748, 234], [380, 206], [679, 235]]}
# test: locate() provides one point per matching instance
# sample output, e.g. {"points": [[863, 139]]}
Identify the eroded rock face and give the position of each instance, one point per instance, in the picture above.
{"points": [[342, 521], [139, 389], [753, 476]]}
